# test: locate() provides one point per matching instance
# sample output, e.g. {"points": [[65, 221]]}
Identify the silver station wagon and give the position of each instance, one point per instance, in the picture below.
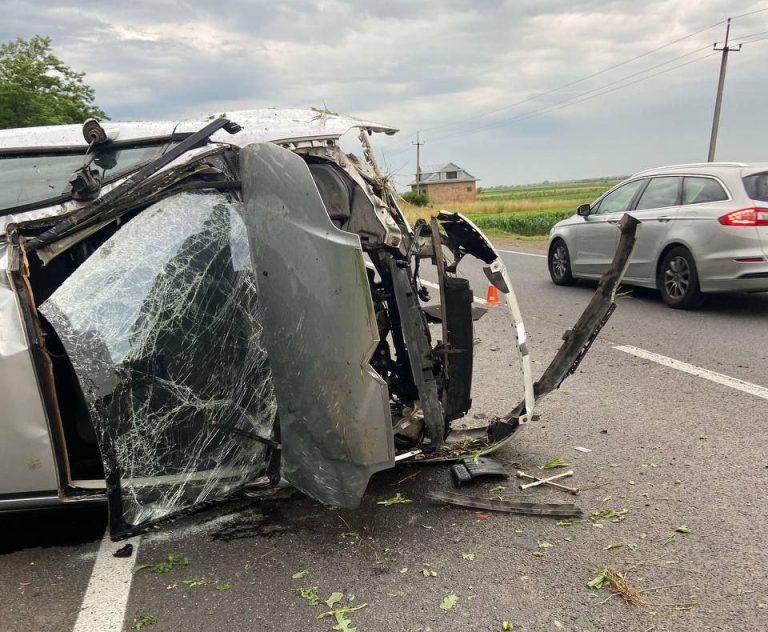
{"points": [[704, 229], [193, 309]]}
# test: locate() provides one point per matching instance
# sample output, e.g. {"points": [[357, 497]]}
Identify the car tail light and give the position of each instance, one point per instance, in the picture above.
{"points": [[746, 217]]}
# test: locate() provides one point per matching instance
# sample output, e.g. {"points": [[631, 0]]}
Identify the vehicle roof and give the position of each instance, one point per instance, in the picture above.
{"points": [[260, 125], [710, 168]]}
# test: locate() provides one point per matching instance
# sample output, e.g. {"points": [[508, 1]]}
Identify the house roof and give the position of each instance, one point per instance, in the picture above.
{"points": [[435, 174]]}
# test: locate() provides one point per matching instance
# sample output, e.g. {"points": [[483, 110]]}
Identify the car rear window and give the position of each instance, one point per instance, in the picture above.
{"points": [[700, 190], [28, 180], [756, 186]]}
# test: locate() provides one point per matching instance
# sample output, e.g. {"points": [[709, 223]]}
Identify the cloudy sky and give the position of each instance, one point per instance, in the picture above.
{"points": [[512, 91]]}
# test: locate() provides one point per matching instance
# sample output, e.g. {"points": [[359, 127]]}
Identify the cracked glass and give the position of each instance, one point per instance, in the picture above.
{"points": [[163, 328]]}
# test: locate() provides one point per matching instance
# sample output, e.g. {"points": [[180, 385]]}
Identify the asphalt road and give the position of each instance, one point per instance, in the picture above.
{"points": [[671, 448]]}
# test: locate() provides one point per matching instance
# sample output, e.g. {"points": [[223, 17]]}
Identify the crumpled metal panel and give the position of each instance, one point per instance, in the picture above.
{"points": [[261, 125], [319, 330], [25, 443], [162, 327]]}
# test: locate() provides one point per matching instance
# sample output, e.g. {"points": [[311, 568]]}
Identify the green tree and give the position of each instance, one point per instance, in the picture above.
{"points": [[37, 88]]}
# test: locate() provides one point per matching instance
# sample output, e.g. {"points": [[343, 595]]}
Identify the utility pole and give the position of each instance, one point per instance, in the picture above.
{"points": [[721, 82], [418, 161]]}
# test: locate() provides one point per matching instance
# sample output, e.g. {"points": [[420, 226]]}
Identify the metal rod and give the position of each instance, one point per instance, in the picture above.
{"points": [[541, 481]]}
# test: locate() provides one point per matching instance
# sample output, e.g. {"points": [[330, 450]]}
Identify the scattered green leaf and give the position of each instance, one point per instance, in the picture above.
{"points": [[543, 544], [614, 545], [428, 572], [569, 521], [468, 556], [299, 575], [223, 586], [599, 580], [309, 594], [343, 624], [506, 625], [397, 499], [404, 570], [649, 464], [352, 535], [614, 515], [427, 526], [335, 598], [538, 553], [195, 581], [683, 528], [448, 602], [169, 563], [553, 463], [143, 621]]}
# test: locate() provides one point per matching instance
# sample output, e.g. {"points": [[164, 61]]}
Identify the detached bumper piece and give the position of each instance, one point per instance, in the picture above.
{"points": [[556, 510], [471, 470]]}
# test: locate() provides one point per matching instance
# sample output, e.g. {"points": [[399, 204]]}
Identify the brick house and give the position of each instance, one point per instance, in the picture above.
{"points": [[446, 183]]}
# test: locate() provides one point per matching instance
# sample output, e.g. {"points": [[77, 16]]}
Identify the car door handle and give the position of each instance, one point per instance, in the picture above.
{"points": [[663, 219]]}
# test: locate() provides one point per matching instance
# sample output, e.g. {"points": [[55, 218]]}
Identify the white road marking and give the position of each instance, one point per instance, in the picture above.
{"points": [[435, 286], [518, 252], [106, 597], [712, 376]]}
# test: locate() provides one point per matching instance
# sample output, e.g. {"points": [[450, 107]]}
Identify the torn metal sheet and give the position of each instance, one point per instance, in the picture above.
{"points": [[162, 327], [320, 331]]}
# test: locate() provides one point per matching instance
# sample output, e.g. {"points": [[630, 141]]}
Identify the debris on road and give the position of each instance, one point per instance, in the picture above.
{"points": [[448, 602], [168, 564], [541, 481], [143, 621], [553, 463], [397, 499], [473, 469], [614, 515], [582, 449], [618, 584], [548, 482], [124, 551], [565, 510]]}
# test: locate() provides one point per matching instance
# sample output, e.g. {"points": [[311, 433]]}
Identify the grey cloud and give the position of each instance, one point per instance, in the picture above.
{"points": [[421, 66]]}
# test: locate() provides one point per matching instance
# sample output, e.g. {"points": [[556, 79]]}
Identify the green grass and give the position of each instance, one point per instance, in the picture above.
{"points": [[526, 224], [528, 211]]}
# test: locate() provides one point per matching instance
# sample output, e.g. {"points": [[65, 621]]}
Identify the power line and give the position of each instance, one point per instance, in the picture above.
{"points": [[586, 78], [601, 90], [579, 98], [741, 15], [574, 101], [751, 35]]}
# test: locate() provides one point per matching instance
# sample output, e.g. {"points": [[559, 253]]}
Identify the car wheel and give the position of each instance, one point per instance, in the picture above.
{"points": [[559, 262], [678, 280]]}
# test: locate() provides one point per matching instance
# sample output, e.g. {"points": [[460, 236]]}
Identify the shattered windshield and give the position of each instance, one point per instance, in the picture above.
{"points": [[162, 326], [31, 179]]}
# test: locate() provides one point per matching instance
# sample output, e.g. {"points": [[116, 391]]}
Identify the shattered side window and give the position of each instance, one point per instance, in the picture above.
{"points": [[163, 329]]}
